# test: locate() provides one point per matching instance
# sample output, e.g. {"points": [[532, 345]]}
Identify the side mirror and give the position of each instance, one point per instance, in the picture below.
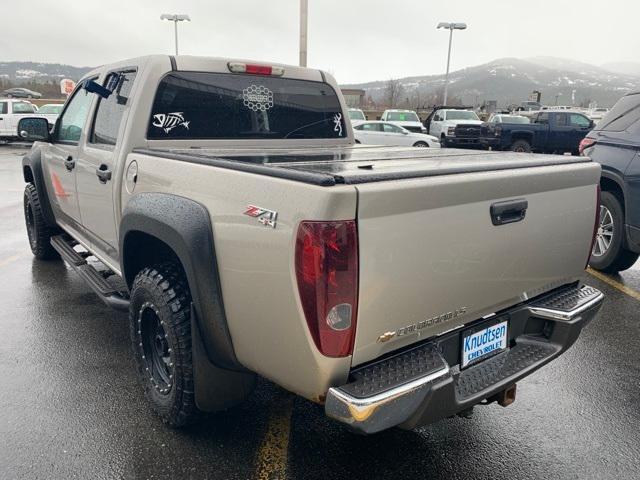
{"points": [[34, 129], [404, 132], [591, 124]]}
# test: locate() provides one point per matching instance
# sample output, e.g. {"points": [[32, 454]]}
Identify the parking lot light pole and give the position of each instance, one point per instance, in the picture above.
{"points": [[304, 14], [175, 18], [451, 26]]}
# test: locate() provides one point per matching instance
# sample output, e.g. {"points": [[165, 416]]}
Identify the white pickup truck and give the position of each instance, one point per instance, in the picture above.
{"points": [[246, 234], [11, 111], [455, 127]]}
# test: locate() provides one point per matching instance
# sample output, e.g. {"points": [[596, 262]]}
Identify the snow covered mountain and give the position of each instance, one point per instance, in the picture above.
{"points": [[511, 80], [26, 72], [624, 68]]}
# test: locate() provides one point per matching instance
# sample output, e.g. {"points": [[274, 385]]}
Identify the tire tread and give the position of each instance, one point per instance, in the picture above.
{"points": [[167, 283], [43, 250]]}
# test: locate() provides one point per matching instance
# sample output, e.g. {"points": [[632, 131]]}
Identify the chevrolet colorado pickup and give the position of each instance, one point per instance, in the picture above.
{"points": [[225, 206]]}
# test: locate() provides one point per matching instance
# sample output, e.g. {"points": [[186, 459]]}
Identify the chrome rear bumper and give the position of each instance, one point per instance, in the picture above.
{"points": [[425, 384]]}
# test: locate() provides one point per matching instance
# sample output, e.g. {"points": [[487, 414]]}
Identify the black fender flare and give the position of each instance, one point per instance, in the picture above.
{"points": [[618, 179], [185, 226], [32, 162]]}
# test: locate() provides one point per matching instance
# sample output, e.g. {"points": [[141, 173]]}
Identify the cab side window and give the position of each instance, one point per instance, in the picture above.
{"points": [[388, 128], [561, 120], [74, 116], [543, 119], [577, 120], [110, 111], [23, 108], [3, 107]]}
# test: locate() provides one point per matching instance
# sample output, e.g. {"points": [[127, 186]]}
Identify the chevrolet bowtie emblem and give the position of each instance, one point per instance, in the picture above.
{"points": [[385, 337]]}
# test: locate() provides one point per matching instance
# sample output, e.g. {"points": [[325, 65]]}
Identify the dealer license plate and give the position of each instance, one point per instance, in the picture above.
{"points": [[483, 343]]}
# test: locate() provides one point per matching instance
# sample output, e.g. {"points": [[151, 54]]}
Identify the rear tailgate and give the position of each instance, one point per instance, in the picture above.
{"points": [[431, 258]]}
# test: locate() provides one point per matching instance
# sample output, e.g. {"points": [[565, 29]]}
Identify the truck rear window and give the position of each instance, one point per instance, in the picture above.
{"points": [[214, 106]]}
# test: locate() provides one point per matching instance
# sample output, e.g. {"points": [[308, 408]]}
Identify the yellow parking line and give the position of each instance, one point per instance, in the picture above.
{"points": [[272, 454], [617, 285], [10, 259]]}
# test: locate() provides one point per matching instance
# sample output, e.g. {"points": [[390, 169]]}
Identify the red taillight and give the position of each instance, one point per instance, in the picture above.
{"points": [[596, 224], [586, 142], [327, 273]]}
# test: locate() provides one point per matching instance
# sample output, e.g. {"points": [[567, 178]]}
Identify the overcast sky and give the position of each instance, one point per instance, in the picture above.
{"points": [[356, 40]]}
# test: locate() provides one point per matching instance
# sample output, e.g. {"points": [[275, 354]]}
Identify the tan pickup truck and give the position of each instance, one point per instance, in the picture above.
{"points": [[224, 205]]}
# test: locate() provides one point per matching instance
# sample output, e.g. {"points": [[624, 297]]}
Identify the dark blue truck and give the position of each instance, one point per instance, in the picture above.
{"points": [[548, 132]]}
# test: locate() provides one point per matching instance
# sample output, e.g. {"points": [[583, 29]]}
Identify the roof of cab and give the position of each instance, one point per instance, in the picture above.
{"points": [[210, 64]]}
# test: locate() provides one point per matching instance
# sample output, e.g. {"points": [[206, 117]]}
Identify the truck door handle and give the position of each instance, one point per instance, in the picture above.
{"points": [[70, 163], [103, 173], [510, 211]]}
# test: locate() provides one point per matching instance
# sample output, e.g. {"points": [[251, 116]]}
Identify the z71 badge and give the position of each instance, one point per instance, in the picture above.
{"points": [[264, 216]]}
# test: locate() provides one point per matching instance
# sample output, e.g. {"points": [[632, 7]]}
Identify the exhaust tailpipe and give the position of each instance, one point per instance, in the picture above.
{"points": [[506, 397]]}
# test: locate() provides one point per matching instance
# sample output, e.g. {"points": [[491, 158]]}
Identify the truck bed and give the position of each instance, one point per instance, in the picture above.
{"points": [[359, 164]]}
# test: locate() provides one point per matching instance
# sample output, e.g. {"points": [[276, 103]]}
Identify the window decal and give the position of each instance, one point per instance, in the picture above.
{"points": [[257, 98], [337, 120], [169, 121]]}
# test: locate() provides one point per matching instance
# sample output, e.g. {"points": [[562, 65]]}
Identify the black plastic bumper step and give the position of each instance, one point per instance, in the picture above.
{"points": [[109, 293], [397, 370], [504, 365]]}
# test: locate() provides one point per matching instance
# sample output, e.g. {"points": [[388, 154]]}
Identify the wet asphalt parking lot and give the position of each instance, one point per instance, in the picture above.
{"points": [[70, 406]]}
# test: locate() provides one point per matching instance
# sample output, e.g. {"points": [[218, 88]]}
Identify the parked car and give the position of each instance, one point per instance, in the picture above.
{"points": [[384, 133], [396, 286], [615, 143], [455, 126], [11, 111], [529, 105], [502, 118], [558, 107], [548, 132], [405, 118], [19, 92], [51, 111], [356, 114], [597, 114]]}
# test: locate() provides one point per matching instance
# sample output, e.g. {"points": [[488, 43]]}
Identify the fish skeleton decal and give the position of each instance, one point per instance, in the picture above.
{"points": [[169, 121]]}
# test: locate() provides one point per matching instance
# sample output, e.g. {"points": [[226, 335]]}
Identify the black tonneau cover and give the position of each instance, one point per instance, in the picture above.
{"points": [[358, 164]]}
